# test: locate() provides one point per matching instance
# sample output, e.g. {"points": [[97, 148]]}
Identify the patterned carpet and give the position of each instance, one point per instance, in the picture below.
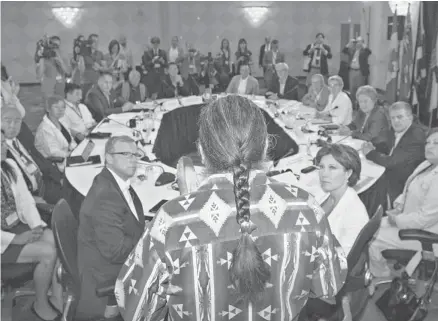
{"points": [[31, 99]]}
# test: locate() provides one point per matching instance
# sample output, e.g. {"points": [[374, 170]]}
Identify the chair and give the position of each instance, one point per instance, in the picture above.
{"points": [[16, 282], [358, 278], [65, 229]]}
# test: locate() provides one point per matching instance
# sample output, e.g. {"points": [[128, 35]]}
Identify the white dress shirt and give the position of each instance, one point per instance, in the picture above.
{"points": [[78, 118], [26, 208], [241, 90], [124, 187], [346, 224], [398, 137], [340, 109], [282, 88], [173, 54]]}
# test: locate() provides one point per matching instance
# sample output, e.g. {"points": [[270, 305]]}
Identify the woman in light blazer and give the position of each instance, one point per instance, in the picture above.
{"points": [[415, 208], [53, 138], [339, 171]]}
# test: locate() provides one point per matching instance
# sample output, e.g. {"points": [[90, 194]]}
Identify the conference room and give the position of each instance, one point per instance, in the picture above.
{"points": [[234, 160]]}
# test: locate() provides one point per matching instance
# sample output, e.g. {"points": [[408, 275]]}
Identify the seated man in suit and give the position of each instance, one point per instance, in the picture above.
{"points": [[283, 86], [243, 84], [41, 176], [407, 149], [172, 84], [99, 100], [111, 223], [270, 59], [318, 94]]}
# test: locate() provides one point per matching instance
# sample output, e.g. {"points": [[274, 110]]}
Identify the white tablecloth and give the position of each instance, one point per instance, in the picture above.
{"points": [[81, 177]]}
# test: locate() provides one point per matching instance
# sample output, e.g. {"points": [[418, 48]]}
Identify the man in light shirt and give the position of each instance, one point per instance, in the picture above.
{"points": [[125, 52], [77, 116], [243, 84], [111, 224], [407, 149]]}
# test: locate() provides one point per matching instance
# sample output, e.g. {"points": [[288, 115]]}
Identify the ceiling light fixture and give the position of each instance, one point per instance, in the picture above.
{"points": [[68, 16], [256, 15]]}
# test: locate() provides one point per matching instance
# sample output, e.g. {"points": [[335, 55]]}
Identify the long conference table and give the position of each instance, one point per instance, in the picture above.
{"points": [[170, 129]]}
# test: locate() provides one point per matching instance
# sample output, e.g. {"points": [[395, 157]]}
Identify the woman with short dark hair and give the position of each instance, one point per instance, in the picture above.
{"points": [[239, 242], [339, 170]]}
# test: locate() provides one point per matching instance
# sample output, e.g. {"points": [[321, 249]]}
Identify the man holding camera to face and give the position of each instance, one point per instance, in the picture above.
{"points": [[51, 67], [316, 55]]}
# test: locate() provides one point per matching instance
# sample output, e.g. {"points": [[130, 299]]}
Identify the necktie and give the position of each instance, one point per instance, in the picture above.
{"points": [[29, 161], [137, 204], [22, 154], [8, 205]]}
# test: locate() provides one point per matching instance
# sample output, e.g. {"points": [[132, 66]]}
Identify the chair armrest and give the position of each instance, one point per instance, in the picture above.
{"points": [[105, 289], [426, 238], [56, 159]]}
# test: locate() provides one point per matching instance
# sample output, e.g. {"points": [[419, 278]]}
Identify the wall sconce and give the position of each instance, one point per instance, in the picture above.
{"points": [[401, 6], [256, 15], [68, 16]]}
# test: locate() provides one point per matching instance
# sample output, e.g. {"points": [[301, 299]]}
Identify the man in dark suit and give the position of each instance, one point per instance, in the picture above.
{"points": [[264, 49], [359, 69], [407, 141], [318, 52], [41, 176], [100, 101], [154, 61], [111, 222], [283, 86]]}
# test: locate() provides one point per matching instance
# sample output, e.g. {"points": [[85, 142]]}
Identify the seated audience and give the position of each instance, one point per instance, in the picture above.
{"points": [[77, 116], [233, 142], [339, 108], [26, 238], [172, 84], [244, 83], [370, 123], [270, 60], [132, 90], [53, 139], [9, 92], [283, 86], [339, 171], [415, 208], [406, 143], [41, 176], [318, 94], [99, 99], [111, 223]]}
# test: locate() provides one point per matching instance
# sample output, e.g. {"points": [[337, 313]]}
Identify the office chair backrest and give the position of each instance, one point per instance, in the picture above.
{"points": [[365, 236], [65, 231]]}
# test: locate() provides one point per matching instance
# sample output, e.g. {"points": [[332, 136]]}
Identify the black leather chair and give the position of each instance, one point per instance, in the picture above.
{"points": [[355, 286], [65, 229], [402, 257], [16, 282]]}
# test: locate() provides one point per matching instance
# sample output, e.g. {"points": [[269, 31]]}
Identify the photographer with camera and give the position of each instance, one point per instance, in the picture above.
{"points": [[316, 55], [77, 62], [94, 62], [51, 67]]}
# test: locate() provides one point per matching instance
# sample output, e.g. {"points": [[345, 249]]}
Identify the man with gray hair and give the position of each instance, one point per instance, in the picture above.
{"points": [[407, 141], [110, 225]]}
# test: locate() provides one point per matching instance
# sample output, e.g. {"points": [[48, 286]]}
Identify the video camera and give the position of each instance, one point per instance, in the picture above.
{"points": [[45, 48]]}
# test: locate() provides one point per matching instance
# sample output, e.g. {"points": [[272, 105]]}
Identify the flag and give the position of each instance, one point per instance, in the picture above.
{"points": [[391, 74], [433, 93], [419, 73], [406, 60]]}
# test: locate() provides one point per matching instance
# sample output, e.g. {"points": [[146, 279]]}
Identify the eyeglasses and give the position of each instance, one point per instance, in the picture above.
{"points": [[128, 154]]}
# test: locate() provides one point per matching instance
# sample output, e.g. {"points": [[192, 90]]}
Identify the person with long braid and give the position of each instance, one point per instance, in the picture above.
{"points": [[239, 245]]}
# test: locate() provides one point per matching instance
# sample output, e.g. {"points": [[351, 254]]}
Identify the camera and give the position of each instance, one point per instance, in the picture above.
{"points": [[45, 48], [81, 47]]}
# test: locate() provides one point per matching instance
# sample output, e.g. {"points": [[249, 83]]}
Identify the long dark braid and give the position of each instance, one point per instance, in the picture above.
{"points": [[248, 272]]}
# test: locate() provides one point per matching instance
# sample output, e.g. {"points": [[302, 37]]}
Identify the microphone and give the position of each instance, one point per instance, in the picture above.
{"points": [[135, 130]]}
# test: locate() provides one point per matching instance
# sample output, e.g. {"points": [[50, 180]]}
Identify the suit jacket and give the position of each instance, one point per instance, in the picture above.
{"points": [[364, 53], [406, 156], [290, 88], [269, 56], [108, 231], [252, 86], [168, 89], [51, 174], [324, 64], [319, 102], [262, 54], [149, 55], [99, 105], [375, 130], [50, 141]]}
